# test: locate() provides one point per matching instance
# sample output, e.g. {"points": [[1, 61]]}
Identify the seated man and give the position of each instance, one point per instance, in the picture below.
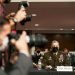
{"points": [[51, 58]]}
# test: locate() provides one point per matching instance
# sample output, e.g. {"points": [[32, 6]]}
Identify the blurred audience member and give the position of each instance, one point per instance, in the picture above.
{"points": [[36, 57], [24, 63], [5, 29], [46, 50], [66, 57]]}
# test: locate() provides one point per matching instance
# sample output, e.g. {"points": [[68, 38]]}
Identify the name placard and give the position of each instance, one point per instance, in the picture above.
{"points": [[64, 68]]}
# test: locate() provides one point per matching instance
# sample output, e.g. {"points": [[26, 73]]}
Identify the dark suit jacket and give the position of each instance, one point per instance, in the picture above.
{"points": [[22, 67]]}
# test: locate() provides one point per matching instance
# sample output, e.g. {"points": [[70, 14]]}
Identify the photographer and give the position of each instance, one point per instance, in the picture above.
{"points": [[24, 62], [5, 28], [19, 16]]}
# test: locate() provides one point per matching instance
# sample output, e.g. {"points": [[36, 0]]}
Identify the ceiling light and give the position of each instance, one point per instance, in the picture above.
{"points": [[36, 25], [73, 29], [61, 29], [34, 15]]}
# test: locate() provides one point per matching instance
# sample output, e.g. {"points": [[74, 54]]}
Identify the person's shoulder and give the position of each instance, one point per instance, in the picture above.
{"points": [[60, 52], [2, 72], [48, 53]]}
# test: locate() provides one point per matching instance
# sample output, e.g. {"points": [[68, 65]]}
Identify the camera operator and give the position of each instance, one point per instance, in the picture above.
{"points": [[5, 29], [24, 62], [6, 25]]}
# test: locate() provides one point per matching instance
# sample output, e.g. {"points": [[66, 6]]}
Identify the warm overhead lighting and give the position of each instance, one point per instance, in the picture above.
{"points": [[34, 15], [73, 29], [36, 25], [61, 29]]}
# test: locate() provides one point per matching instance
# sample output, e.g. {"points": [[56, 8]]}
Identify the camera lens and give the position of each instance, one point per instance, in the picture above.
{"points": [[33, 39]]}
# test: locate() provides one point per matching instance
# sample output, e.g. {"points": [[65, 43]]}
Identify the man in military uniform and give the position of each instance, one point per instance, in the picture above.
{"points": [[52, 58]]}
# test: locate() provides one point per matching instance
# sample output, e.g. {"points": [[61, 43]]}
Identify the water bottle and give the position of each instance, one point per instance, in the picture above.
{"points": [[39, 64]]}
